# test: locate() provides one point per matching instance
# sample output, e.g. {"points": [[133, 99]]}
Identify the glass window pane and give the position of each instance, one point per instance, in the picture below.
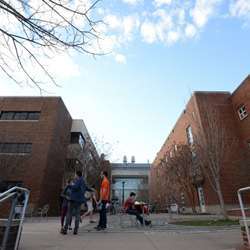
{"points": [[6, 147], [20, 115], [1, 147], [27, 148], [81, 141], [6, 115], [190, 135], [12, 148], [33, 116]]}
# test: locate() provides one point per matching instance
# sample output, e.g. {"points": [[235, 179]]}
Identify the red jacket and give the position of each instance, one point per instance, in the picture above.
{"points": [[129, 204]]}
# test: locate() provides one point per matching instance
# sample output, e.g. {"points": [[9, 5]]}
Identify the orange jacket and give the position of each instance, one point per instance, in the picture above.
{"points": [[105, 189]]}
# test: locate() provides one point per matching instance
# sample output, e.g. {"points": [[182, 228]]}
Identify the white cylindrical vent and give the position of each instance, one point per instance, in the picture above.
{"points": [[132, 159], [125, 159]]}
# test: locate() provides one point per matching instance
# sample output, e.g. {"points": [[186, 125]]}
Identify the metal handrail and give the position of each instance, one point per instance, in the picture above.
{"points": [[13, 193], [242, 208]]}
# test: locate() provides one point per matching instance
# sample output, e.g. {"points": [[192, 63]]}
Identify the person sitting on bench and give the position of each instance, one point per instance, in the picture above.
{"points": [[129, 207]]}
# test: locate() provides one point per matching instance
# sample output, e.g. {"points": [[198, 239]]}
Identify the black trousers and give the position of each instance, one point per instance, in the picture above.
{"points": [[103, 216], [136, 213]]}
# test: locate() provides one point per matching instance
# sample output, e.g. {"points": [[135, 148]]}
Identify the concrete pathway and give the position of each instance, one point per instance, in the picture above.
{"points": [[42, 235], [41, 240]]}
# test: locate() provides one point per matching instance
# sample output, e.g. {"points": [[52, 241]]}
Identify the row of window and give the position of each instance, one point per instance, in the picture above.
{"points": [[15, 148], [190, 139], [242, 112], [20, 115]]}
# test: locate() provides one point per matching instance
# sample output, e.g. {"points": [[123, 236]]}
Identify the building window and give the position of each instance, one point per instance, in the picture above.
{"points": [[242, 112], [20, 115], [81, 141], [15, 148], [35, 116], [77, 138], [171, 154], [7, 115], [166, 158], [190, 137]]}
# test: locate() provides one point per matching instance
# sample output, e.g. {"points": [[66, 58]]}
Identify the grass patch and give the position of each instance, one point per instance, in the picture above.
{"points": [[205, 223]]}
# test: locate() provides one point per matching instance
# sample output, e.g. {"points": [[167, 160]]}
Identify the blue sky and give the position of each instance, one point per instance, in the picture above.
{"points": [[161, 51]]}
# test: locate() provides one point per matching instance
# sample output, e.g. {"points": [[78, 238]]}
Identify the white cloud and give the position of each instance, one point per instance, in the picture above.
{"points": [[190, 31], [125, 26], [120, 58], [164, 24], [107, 44], [63, 66], [113, 21], [132, 2], [148, 32], [240, 8], [203, 10], [168, 21], [129, 23], [173, 37], [117, 31], [162, 2]]}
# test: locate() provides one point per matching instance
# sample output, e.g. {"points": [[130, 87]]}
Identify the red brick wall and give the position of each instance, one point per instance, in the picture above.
{"points": [[240, 97], [42, 170], [236, 168]]}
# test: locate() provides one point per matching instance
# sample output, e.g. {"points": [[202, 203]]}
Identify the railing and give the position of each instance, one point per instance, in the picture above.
{"points": [[245, 220], [14, 193]]}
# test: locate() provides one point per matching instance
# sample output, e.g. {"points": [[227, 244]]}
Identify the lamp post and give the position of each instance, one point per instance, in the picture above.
{"points": [[123, 185]]}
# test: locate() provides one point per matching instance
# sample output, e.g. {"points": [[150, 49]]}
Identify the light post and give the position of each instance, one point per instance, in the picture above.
{"points": [[123, 185]]}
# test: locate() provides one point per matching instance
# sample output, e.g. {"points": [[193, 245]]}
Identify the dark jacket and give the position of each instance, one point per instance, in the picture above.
{"points": [[78, 190], [65, 195]]}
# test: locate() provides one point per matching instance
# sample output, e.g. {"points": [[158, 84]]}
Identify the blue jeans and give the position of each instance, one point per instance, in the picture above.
{"points": [[73, 208], [103, 215]]}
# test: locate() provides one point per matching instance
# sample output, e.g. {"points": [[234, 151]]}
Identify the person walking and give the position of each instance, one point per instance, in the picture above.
{"points": [[65, 197], [77, 198], [103, 200], [91, 199]]}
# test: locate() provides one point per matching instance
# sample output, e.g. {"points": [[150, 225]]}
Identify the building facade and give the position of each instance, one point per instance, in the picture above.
{"points": [[235, 167], [130, 177], [37, 135]]}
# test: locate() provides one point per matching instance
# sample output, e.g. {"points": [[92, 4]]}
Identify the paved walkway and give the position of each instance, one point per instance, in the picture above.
{"points": [[45, 235]]}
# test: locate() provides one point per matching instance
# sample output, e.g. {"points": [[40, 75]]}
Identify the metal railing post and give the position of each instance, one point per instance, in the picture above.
{"points": [[9, 222], [243, 212], [13, 194], [21, 220]]}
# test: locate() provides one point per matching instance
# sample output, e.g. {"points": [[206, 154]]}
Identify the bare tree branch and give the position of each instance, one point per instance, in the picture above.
{"points": [[38, 28]]}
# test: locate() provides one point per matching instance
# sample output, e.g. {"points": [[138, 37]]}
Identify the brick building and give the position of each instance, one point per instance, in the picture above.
{"points": [[36, 139], [235, 171]]}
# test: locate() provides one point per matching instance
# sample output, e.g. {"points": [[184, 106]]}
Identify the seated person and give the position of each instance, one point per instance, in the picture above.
{"points": [[130, 208]]}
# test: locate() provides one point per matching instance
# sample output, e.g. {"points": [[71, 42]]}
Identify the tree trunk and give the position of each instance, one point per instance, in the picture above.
{"points": [[221, 200], [190, 195]]}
